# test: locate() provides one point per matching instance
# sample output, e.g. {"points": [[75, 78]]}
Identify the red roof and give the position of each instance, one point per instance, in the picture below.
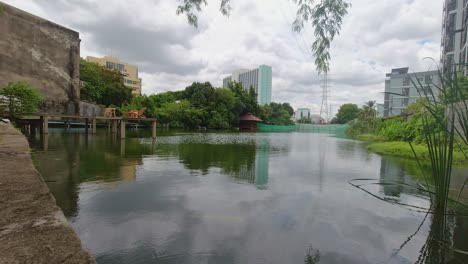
{"points": [[249, 117]]}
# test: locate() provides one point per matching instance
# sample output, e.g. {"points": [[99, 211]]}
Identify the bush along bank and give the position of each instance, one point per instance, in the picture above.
{"points": [[395, 135]]}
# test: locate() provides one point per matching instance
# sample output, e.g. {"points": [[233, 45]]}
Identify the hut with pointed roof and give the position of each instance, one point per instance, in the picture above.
{"points": [[249, 122]]}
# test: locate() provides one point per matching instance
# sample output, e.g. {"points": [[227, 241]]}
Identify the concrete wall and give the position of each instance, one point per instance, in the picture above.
{"points": [[40, 52], [32, 228]]}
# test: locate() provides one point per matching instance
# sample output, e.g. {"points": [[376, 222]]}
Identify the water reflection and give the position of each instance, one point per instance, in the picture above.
{"points": [[66, 160], [262, 163], [244, 161], [397, 181], [447, 239], [241, 198]]}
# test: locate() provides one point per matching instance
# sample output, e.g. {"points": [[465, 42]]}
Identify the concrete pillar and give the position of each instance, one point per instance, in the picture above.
{"points": [[122, 129], [94, 126], [153, 126], [45, 125]]}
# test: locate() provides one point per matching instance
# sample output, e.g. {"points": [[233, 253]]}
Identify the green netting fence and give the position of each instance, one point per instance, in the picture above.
{"points": [[333, 129], [273, 128]]}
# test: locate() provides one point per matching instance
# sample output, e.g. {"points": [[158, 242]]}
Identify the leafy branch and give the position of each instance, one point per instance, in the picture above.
{"points": [[325, 17]]}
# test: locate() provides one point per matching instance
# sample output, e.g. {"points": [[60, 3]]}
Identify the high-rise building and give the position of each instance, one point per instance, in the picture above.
{"points": [[260, 79], [301, 113], [403, 88], [129, 71], [454, 34]]}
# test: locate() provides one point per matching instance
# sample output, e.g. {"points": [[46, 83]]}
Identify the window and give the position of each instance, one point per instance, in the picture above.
{"points": [[115, 66], [405, 91], [406, 81], [110, 65], [428, 79]]}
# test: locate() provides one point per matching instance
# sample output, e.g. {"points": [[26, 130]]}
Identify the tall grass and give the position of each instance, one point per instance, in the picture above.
{"points": [[445, 110]]}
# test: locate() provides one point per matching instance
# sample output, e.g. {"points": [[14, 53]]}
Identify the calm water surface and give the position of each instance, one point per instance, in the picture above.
{"points": [[241, 198]]}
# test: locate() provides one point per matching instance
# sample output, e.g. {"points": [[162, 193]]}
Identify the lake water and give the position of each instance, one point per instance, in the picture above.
{"points": [[243, 198]]}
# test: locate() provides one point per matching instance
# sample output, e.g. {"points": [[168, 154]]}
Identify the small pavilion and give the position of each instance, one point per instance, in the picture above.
{"points": [[248, 122]]}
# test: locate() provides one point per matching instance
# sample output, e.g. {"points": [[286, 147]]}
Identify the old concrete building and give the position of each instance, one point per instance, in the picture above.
{"points": [[43, 54]]}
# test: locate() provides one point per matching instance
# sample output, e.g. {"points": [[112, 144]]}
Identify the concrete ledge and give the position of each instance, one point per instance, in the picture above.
{"points": [[33, 228]]}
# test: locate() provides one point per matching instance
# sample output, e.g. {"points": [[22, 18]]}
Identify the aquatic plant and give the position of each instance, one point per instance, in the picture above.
{"points": [[449, 111]]}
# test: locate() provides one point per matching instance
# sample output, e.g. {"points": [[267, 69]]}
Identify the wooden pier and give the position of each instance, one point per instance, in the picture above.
{"points": [[42, 122]]}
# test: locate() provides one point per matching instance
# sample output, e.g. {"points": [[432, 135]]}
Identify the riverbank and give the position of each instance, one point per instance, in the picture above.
{"points": [[403, 149], [33, 228]]}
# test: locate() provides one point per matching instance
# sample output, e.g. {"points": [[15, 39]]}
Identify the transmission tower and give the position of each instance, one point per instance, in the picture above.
{"points": [[324, 108]]}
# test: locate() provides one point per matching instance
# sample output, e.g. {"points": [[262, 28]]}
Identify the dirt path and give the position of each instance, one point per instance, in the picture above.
{"points": [[32, 228]]}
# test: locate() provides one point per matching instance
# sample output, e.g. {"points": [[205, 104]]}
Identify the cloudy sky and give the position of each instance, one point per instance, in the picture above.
{"points": [[376, 36]]}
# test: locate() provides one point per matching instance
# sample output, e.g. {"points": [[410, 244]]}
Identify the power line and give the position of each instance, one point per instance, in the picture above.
{"points": [[301, 48]]}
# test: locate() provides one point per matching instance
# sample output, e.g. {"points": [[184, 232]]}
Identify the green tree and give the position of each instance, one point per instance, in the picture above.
{"points": [[325, 16], [346, 113], [305, 120], [246, 100], [19, 98], [102, 85], [368, 114], [276, 114]]}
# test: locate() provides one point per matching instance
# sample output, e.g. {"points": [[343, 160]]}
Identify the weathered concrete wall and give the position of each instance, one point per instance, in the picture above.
{"points": [[81, 108], [91, 109], [32, 228], [40, 52]]}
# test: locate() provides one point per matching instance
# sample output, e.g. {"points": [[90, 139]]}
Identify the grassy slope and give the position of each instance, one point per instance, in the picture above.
{"points": [[403, 149]]}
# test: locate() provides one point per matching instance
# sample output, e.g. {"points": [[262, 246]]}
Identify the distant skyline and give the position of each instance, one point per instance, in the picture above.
{"points": [[170, 54]]}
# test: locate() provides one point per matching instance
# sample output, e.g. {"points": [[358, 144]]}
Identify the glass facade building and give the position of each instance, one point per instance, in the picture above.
{"points": [[260, 79]]}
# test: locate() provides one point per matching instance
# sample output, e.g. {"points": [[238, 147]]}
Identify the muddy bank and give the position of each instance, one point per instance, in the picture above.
{"points": [[33, 229]]}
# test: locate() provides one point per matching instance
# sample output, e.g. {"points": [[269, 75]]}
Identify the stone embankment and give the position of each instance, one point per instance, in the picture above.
{"points": [[33, 228]]}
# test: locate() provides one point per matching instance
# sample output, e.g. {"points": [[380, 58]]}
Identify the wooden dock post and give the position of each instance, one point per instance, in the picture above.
{"points": [[86, 125], [94, 126], [153, 126], [122, 129], [45, 125], [114, 126]]}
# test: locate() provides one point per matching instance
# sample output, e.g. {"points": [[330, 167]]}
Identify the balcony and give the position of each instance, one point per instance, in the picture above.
{"points": [[452, 5]]}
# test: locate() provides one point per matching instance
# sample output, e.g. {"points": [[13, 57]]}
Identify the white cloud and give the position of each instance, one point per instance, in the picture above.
{"points": [[376, 36]]}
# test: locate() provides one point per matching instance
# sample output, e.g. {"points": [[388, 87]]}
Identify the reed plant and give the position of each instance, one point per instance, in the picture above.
{"points": [[445, 107]]}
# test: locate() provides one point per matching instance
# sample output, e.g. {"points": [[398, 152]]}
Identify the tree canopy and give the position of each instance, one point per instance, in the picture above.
{"points": [[201, 104], [325, 16], [102, 85], [346, 113], [19, 98]]}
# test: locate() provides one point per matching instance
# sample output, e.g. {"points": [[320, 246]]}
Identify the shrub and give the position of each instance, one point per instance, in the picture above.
{"points": [[19, 98]]}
